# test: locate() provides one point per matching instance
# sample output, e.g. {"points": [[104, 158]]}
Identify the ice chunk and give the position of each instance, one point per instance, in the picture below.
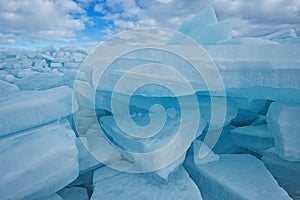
{"points": [[136, 144], [205, 103], [259, 71], [26, 62], [283, 34], [71, 65], [61, 59], [8, 87], [141, 103], [56, 65], [5, 76], [111, 184], [162, 138], [85, 121], [203, 28], [86, 161], [38, 64], [286, 172], [260, 119], [73, 193], [246, 41], [235, 177], [51, 50], [47, 57], [41, 81], [199, 158], [255, 138], [37, 162], [291, 41], [166, 172], [73, 49], [283, 123], [204, 17], [248, 110], [77, 57], [23, 110], [211, 34], [69, 77], [21, 73], [225, 143], [250, 71]]}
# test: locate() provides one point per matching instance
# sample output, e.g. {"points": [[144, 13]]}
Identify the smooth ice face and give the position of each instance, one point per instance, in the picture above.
{"points": [[286, 172], [204, 17], [86, 161], [259, 71], [148, 145], [283, 123], [140, 105], [250, 71], [235, 177], [23, 110], [225, 143], [204, 28], [246, 41], [111, 184], [282, 34], [41, 81], [37, 162], [249, 110], [255, 138]]}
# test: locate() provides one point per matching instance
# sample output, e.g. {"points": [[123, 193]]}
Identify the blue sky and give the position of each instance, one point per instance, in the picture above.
{"points": [[38, 23]]}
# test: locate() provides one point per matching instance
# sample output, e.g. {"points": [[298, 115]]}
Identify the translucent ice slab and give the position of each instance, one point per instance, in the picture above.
{"points": [[37, 162], [235, 177], [23, 110], [111, 184]]}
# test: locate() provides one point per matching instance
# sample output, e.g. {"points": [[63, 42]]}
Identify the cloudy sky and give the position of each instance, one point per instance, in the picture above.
{"points": [[25, 23]]}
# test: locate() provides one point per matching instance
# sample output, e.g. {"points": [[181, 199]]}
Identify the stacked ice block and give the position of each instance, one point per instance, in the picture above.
{"points": [[42, 138]]}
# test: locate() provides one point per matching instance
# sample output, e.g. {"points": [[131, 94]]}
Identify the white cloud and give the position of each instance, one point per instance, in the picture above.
{"points": [[247, 17], [40, 19], [131, 14], [61, 19], [258, 17]]}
